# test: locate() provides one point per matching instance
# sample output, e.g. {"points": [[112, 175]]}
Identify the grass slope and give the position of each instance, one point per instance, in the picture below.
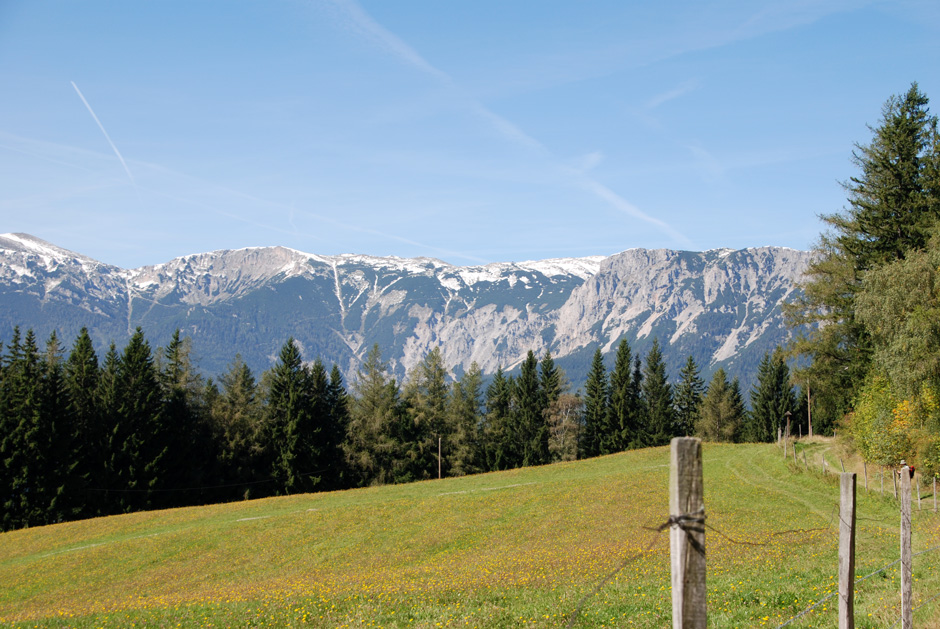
{"points": [[531, 547]]}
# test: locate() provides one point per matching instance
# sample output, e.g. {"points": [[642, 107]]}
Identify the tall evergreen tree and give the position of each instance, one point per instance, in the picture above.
{"points": [[529, 427], [722, 410], [688, 398], [237, 426], [81, 382], [596, 407], [893, 202], [372, 445], [550, 380], [500, 450], [625, 419], [426, 398], [772, 397], [465, 413], [290, 425], [186, 428], [657, 397], [337, 401], [138, 440]]}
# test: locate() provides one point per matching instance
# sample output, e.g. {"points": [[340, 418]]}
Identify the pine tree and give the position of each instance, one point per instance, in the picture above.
{"points": [[81, 382], [500, 450], [465, 413], [185, 426], [291, 429], [529, 426], [722, 410], [772, 397], [688, 398], [657, 397], [372, 446], [550, 380], [237, 426], [625, 420], [337, 402], [426, 399], [596, 407], [138, 439], [893, 202]]}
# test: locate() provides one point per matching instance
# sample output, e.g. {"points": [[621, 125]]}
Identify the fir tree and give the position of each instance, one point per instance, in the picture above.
{"points": [[772, 397], [688, 398], [893, 202], [337, 402], [722, 410], [657, 397], [624, 424], [138, 441], [291, 429], [465, 412], [81, 383], [529, 427], [500, 450], [372, 446], [426, 399], [596, 407]]}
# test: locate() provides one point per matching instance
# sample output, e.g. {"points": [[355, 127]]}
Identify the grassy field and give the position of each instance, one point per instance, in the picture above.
{"points": [[539, 547]]}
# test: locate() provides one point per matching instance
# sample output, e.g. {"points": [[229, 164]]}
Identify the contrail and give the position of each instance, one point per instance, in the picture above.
{"points": [[359, 21], [106, 136]]}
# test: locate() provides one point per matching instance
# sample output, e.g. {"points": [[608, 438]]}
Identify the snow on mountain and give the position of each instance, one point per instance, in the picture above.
{"points": [[721, 307]]}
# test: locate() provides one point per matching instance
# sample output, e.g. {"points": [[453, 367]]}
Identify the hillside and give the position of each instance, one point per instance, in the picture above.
{"points": [[518, 548], [722, 307]]}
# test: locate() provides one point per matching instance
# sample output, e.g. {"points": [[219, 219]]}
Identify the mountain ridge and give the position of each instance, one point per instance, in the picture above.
{"points": [[721, 306]]}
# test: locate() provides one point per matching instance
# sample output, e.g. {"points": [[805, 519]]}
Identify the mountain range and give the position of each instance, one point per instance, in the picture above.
{"points": [[722, 307]]}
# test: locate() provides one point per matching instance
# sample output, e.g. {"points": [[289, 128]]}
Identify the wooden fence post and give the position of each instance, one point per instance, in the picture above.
{"points": [[847, 551], [687, 534], [934, 494], [907, 615], [882, 481], [895, 476], [842, 463], [865, 465]]}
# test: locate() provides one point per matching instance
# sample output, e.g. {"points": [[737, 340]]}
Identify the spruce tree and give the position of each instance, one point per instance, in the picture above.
{"points": [[596, 407], [500, 450], [722, 410], [139, 440], [772, 397], [893, 202], [625, 411], [237, 426], [81, 382], [372, 446], [465, 413], [291, 429], [529, 427], [657, 397], [337, 402], [688, 398], [426, 400]]}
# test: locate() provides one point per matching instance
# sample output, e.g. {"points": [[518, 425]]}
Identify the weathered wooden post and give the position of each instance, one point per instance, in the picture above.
{"points": [[847, 552], [865, 465], [882, 481], [917, 484], [687, 534], [842, 463], [934, 494], [907, 592], [895, 475]]}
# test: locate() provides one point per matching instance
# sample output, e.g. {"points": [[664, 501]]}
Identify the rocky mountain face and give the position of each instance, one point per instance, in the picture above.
{"points": [[721, 307]]}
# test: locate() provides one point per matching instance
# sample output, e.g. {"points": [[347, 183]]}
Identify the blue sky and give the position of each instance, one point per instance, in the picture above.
{"points": [[473, 132]]}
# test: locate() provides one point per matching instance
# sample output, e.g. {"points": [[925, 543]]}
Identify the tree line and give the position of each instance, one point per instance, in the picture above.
{"points": [[142, 429], [870, 306]]}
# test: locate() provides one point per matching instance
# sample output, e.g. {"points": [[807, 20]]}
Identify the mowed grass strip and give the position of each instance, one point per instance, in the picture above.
{"points": [[529, 547]]}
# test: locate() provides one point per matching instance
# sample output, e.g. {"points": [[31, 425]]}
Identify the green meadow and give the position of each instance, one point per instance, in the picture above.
{"points": [[571, 544]]}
